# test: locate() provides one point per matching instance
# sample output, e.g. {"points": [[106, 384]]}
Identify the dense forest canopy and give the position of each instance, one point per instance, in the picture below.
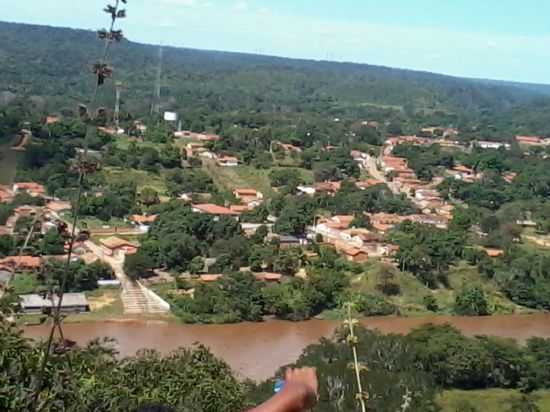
{"points": [[50, 66]]}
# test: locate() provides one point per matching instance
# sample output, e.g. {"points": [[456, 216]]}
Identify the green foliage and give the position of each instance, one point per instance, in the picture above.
{"points": [[189, 181], [424, 159], [7, 245], [472, 301], [52, 243], [426, 251], [116, 200], [236, 298], [80, 277], [351, 200], [389, 377], [370, 305], [285, 177], [93, 378], [138, 266], [430, 302]]}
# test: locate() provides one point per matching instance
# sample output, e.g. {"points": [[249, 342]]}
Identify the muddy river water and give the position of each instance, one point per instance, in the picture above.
{"points": [[257, 350]]}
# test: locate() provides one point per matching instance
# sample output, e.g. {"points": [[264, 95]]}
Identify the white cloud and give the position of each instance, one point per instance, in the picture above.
{"points": [[241, 5]]}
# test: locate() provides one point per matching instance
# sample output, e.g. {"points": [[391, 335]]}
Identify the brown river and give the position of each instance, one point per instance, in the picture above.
{"points": [[257, 350]]}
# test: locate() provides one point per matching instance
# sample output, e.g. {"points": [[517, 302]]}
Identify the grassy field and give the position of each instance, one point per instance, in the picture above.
{"points": [[410, 300], [489, 400], [25, 283], [122, 142], [94, 223], [142, 178], [230, 178]]}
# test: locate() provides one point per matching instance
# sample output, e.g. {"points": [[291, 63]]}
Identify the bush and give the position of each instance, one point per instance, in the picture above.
{"points": [[430, 302], [472, 302], [374, 305]]}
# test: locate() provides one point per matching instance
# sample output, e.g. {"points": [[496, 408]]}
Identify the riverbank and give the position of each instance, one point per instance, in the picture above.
{"points": [[270, 345]]}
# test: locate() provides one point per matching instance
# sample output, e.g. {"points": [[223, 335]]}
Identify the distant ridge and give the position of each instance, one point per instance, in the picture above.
{"points": [[52, 63]]}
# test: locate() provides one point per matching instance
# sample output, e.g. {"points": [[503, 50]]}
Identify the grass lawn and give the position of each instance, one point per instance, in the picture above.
{"points": [[25, 283], [94, 223], [142, 178], [230, 178], [123, 142], [464, 275], [410, 300], [489, 400]]}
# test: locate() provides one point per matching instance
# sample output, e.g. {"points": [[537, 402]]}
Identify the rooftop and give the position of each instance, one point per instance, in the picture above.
{"points": [[69, 299], [213, 209], [116, 243]]}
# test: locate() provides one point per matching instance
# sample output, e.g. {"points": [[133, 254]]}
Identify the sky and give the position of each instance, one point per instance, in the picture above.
{"points": [[493, 39]]}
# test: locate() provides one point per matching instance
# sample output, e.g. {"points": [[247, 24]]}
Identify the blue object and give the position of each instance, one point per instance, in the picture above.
{"points": [[279, 385]]}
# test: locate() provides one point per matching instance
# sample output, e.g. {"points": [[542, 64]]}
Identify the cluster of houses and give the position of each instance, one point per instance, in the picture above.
{"points": [[248, 200], [435, 210], [199, 150], [354, 244]]}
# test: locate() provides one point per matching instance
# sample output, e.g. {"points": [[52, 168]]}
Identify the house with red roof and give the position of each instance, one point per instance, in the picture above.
{"points": [[249, 197], [21, 263], [32, 188], [214, 210], [227, 161]]}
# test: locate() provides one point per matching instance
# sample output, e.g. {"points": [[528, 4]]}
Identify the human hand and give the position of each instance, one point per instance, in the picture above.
{"points": [[305, 384]]}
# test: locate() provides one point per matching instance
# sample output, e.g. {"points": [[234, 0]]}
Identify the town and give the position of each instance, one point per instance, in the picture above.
{"points": [[280, 222]]}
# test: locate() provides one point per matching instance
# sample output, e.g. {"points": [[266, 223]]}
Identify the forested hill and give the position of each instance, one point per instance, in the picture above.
{"points": [[52, 64]]}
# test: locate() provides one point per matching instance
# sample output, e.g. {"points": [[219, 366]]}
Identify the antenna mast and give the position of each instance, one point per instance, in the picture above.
{"points": [[155, 108], [118, 87]]}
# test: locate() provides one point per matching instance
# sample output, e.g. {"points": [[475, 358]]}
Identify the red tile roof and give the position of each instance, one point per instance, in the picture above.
{"points": [[212, 209], [245, 192], [142, 219], [13, 262], [268, 277], [116, 243], [30, 186], [210, 278]]}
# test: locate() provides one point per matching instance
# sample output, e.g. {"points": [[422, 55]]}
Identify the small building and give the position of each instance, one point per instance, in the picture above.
{"points": [[365, 184], [240, 209], [214, 210], [330, 188], [210, 278], [32, 188], [308, 190], [493, 252], [288, 241], [117, 247], [143, 222], [290, 148], [52, 119], [268, 277], [58, 206], [72, 302], [21, 263], [530, 140], [492, 145], [352, 254], [6, 194], [338, 222], [250, 197], [227, 161], [509, 177]]}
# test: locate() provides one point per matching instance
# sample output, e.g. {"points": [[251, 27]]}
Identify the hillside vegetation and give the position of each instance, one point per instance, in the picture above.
{"points": [[50, 65]]}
